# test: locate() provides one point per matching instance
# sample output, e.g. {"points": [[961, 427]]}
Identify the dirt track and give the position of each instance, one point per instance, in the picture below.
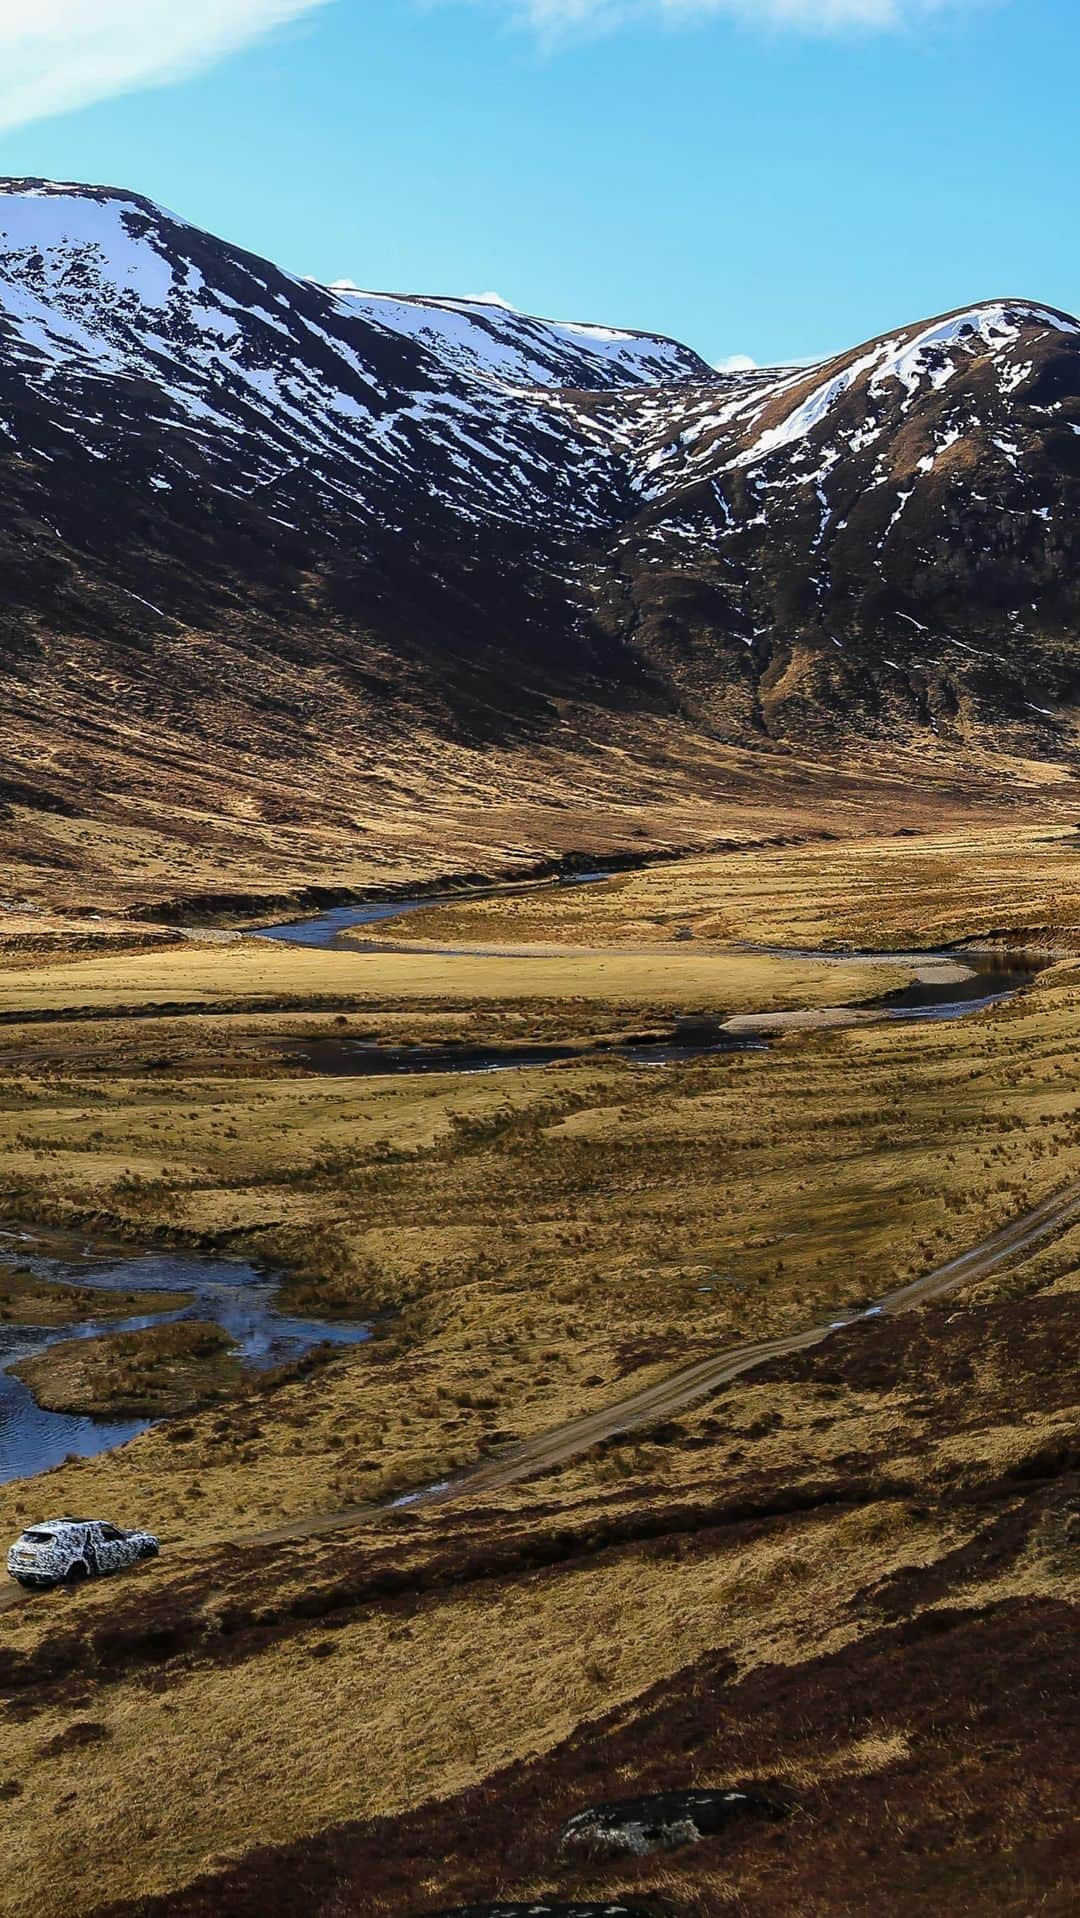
{"points": [[682, 1388], [679, 1389]]}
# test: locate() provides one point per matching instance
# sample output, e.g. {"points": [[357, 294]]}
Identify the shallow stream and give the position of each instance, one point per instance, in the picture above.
{"points": [[228, 1292]]}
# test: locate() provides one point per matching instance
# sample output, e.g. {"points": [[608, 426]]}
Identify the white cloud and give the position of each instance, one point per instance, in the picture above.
{"points": [[56, 55], [737, 363], [489, 299], [552, 17], [464, 299]]}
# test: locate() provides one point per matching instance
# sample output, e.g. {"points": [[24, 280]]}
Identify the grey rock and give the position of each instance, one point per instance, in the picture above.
{"points": [[662, 1822]]}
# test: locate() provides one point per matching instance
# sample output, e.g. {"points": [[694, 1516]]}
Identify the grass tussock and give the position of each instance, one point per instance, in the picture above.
{"points": [[152, 1373]]}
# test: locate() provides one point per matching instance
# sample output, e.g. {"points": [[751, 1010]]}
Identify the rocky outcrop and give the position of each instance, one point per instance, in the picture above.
{"points": [[661, 1822]]}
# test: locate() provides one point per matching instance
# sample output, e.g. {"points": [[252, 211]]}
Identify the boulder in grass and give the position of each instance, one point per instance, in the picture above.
{"points": [[662, 1822]]}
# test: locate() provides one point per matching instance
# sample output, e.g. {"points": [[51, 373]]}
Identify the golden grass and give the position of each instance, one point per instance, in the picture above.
{"points": [[543, 1239], [156, 817], [214, 975], [931, 889], [405, 1707], [153, 1372], [543, 1235], [31, 1300]]}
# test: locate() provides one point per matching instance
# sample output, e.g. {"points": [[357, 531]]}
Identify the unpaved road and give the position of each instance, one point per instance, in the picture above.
{"points": [[674, 1393], [679, 1389]]}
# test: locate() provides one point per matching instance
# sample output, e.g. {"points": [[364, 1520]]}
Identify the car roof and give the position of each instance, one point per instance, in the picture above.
{"points": [[58, 1524]]}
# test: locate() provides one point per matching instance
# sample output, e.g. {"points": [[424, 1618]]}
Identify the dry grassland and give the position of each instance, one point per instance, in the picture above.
{"points": [[31, 1300], [266, 974], [790, 1519], [151, 819], [537, 1238], [150, 1373], [929, 889], [404, 1707], [531, 1245]]}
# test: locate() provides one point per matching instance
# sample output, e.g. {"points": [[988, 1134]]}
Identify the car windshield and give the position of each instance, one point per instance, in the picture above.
{"points": [[38, 1538]]}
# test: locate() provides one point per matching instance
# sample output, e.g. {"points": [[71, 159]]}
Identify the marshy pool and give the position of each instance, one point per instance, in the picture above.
{"points": [[231, 1293], [993, 977]]}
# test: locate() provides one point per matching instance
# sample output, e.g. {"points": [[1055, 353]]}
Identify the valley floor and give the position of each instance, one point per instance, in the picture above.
{"points": [[850, 1575]]}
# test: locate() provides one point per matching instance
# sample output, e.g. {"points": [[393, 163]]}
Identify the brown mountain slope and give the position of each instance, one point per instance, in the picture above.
{"points": [[309, 585]]}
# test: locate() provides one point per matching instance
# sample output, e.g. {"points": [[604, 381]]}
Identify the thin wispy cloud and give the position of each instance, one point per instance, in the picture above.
{"points": [[56, 55], [59, 55], [554, 17]]}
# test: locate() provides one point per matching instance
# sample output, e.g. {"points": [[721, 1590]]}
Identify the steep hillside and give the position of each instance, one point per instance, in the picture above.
{"points": [[280, 561], [890, 540]]}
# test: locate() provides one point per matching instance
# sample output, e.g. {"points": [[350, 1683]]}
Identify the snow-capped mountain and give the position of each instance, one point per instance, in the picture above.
{"points": [[230, 490], [493, 341], [104, 297], [892, 536]]}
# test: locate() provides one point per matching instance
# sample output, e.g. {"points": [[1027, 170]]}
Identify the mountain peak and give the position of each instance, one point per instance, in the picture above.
{"points": [[474, 511]]}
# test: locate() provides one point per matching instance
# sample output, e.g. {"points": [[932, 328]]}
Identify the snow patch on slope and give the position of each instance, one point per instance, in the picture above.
{"points": [[928, 358], [497, 342]]}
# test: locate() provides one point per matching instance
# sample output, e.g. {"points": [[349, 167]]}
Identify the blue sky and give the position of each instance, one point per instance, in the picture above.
{"points": [[777, 190]]}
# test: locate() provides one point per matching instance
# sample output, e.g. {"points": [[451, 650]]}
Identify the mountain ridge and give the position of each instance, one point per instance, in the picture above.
{"points": [[303, 530]]}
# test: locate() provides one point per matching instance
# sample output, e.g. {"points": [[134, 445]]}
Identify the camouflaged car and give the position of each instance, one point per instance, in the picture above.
{"points": [[63, 1551]]}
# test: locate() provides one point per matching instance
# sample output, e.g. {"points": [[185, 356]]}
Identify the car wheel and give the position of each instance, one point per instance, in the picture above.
{"points": [[78, 1572], [149, 1551]]}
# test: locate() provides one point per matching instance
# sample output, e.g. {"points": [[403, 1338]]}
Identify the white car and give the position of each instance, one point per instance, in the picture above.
{"points": [[65, 1550]]}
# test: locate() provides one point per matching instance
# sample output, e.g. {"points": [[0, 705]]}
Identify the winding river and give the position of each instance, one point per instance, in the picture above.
{"points": [[325, 929], [948, 983], [239, 1297]]}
